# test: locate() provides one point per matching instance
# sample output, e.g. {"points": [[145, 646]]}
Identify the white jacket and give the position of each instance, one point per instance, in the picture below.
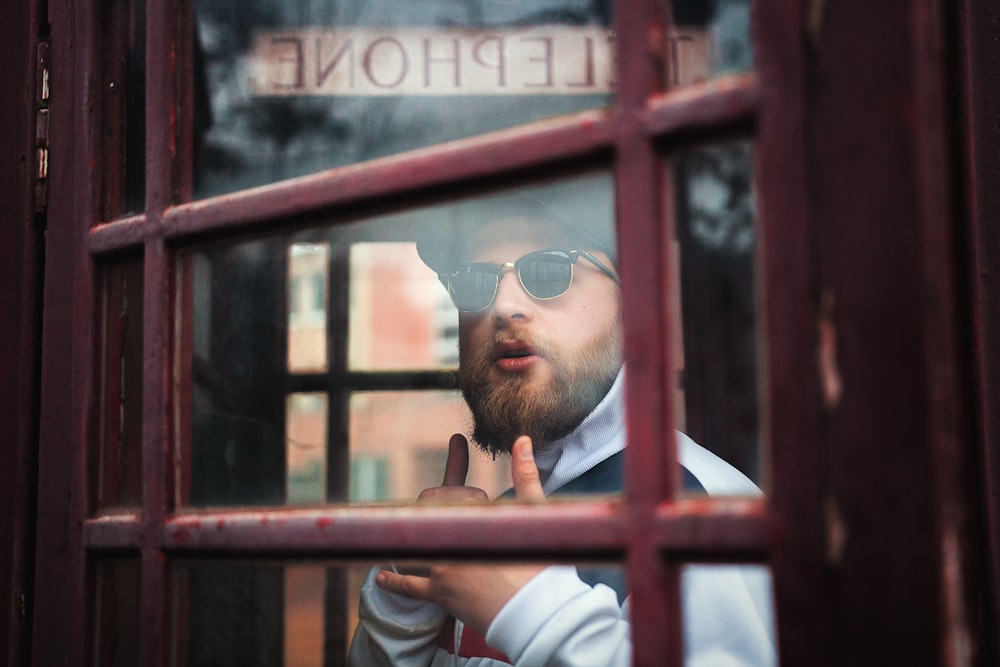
{"points": [[557, 619]]}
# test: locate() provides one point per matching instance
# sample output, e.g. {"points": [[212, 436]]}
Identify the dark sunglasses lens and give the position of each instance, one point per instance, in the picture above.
{"points": [[473, 287], [545, 275]]}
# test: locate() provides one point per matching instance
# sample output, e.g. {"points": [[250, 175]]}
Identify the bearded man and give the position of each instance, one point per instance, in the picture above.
{"points": [[540, 350]]}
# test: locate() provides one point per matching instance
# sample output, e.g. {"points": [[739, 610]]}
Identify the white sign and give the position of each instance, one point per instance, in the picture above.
{"points": [[541, 60]]}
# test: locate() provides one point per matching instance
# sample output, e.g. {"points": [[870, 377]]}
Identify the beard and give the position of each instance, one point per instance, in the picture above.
{"points": [[511, 407]]}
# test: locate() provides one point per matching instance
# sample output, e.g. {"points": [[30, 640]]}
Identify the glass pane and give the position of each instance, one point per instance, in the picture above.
{"points": [[116, 613], [118, 473], [286, 89], [307, 614], [401, 316], [710, 38], [228, 614], [383, 470], [715, 224], [306, 424], [123, 107], [305, 609], [233, 375], [728, 615], [308, 277], [393, 336]]}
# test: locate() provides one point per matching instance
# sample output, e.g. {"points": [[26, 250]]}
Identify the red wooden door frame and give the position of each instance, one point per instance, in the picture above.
{"points": [[829, 235]]}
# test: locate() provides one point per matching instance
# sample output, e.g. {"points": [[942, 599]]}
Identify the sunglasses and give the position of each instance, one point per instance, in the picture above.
{"points": [[544, 274]]}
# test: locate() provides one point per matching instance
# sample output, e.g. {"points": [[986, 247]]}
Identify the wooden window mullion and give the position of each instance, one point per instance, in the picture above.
{"points": [[338, 391], [654, 582], [787, 332], [160, 120]]}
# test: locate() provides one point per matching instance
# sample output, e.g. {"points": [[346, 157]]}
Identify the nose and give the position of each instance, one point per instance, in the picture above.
{"points": [[511, 302]]}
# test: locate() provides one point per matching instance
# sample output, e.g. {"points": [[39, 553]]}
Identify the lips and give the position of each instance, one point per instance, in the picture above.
{"points": [[515, 355]]}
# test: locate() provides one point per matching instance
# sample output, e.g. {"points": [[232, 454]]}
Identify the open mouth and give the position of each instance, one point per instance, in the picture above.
{"points": [[514, 350], [515, 356]]}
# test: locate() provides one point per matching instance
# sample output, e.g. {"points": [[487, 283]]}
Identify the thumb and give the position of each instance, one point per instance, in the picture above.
{"points": [[527, 483], [457, 467]]}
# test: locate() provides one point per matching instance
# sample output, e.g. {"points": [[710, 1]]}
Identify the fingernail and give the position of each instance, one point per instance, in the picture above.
{"points": [[526, 452]]}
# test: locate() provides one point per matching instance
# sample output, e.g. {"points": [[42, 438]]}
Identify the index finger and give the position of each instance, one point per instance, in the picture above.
{"points": [[457, 467]]}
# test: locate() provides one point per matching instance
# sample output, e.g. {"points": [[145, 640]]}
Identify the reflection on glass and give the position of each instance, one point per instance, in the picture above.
{"points": [[383, 469], [118, 473], [228, 614], [710, 38], [715, 227], [116, 613], [259, 425], [232, 364], [306, 614], [286, 89], [728, 615], [401, 316], [305, 604], [306, 425], [308, 277]]}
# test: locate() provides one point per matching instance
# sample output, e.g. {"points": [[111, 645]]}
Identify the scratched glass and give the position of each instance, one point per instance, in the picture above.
{"points": [[116, 479], [716, 344], [707, 39], [286, 89], [321, 365], [297, 614]]}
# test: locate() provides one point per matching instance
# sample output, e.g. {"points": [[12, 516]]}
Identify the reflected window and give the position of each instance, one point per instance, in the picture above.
{"points": [[308, 277], [400, 313], [306, 462]]}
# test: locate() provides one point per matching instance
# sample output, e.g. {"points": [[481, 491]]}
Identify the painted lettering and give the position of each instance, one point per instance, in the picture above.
{"points": [[499, 61], [297, 60], [431, 60], [546, 59], [322, 73], [370, 60], [543, 60]]}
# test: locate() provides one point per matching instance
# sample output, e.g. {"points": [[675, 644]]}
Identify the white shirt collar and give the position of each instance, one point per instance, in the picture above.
{"points": [[600, 435]]}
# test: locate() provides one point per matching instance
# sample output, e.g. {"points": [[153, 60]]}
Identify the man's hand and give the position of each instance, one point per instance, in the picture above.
{"points": [[527, 483], [475, 594], [453, 489]]}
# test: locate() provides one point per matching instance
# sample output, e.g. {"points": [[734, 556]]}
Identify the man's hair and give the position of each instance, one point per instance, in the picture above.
{"points": [[578, 220]]}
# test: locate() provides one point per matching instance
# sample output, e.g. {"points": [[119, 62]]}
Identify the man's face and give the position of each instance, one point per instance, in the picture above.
{"points": [[537, 367]]}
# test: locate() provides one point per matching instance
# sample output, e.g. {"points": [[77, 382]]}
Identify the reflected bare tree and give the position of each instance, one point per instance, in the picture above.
{"points": [[720, 203], [291, 125]]}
